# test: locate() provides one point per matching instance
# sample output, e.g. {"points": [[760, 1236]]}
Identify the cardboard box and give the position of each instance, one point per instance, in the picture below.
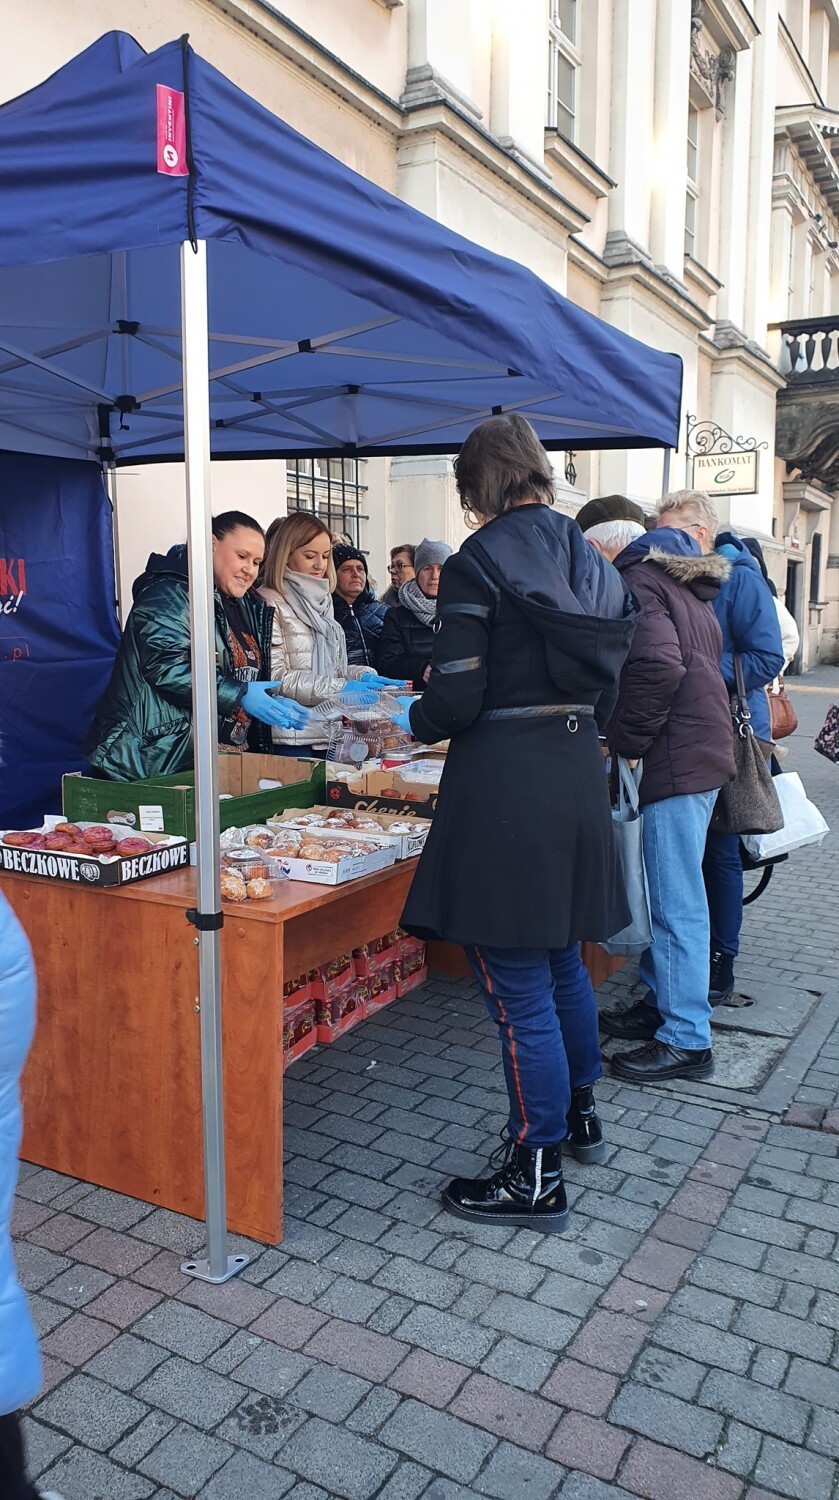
{"points": [[377, 791], [408, 845], [341, 1010], [95, 869], [166, 804], [299, 1034], [337, 872], [374, 956], [382, 985], [411, 981]]}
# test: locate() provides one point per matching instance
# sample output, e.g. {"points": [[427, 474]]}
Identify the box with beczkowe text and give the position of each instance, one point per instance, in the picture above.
{"points": [[165, 854]]}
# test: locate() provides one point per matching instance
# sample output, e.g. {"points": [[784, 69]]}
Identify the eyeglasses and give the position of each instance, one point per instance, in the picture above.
{"points": [[396, 567]]}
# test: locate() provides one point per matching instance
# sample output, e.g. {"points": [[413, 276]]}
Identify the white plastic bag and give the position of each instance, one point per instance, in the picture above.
{"points": [[628, 823], [803, 823]]}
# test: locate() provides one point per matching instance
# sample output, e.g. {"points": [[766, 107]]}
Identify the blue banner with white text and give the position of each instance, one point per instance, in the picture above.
{"points": [[58, 625]]}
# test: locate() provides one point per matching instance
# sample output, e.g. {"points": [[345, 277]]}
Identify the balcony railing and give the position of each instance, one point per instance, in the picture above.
{"points": [[810, 351]]}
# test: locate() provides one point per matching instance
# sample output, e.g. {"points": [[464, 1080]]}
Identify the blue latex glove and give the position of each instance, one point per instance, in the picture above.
{"points": [[262, 702], [373, 679], [403, 717]]}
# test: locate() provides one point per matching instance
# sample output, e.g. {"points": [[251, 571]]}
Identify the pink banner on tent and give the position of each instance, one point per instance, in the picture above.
{"points": [[171, 133]]}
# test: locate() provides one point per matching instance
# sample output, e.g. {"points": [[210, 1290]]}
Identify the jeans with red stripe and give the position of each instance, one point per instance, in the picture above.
{"points": [[542, 1001]]}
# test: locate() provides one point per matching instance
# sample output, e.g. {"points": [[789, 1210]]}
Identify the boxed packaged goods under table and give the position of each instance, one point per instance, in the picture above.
{"points": [[407, 834], [133, 857], [403, 790], [251, 789]]}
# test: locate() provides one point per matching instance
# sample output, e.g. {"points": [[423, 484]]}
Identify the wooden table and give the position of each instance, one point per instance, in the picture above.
{"points": [[112, 1087]]}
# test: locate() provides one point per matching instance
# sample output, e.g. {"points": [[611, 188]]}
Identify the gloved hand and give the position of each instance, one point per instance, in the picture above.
{"points": [[403, 717], [372, 679], [262, 702]]}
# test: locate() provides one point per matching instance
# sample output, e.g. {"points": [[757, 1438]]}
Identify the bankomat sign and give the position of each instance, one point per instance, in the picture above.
{"points": [[12, 584]]}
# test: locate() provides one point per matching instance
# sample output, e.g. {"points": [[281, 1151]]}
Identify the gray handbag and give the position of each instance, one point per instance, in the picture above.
{"points": [[628, 823], [749, 803]]}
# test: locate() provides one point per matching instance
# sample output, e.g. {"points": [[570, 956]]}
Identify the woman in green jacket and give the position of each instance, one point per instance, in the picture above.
{"points": [[143, 723]]}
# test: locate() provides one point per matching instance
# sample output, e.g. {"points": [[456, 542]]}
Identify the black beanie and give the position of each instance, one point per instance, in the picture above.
{"points": [[343, 552]]}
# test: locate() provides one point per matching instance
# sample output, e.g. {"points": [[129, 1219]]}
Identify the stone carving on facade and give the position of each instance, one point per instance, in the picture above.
{"points": [[807, 435], [712, 70]]}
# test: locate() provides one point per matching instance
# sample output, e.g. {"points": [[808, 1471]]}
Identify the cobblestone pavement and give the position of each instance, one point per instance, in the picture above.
{"points": [[678, 1343]]}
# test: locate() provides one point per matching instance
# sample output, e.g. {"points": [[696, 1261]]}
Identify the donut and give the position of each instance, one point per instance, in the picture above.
{"points": [[102, 846], [22, 840], [130, 846], [259, 890], [98, 834], [57, 841], [71, 830]]}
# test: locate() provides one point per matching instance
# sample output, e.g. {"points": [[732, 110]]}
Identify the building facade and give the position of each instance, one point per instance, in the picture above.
{"points": [[670, 165]]}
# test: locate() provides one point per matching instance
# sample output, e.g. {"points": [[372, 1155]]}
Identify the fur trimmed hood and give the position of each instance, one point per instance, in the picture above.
{"points": [[690, 570], [677, 554]]}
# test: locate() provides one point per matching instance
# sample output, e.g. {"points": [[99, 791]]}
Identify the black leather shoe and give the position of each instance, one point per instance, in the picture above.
{"points": [[637, 1023], [658, 1061], [585, 1133], [527, 1190], [721, 987]]}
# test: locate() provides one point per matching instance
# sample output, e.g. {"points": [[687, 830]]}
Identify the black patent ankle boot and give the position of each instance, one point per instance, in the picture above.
{"points": [[527, 1190], [585, 1133]]}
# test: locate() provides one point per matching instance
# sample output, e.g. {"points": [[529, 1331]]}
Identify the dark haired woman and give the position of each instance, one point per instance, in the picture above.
{"points": [[143, 722], [520, 862]]}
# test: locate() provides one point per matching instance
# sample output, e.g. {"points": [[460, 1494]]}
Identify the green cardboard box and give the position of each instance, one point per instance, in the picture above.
{"points": [[166, 804]]}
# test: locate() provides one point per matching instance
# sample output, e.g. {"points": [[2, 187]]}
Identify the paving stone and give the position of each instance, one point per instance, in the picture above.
{"points": [[120, 1254], [272, 1370], [43, 1186], [262, 1424], [659, 1473], [473, 1303], [186, 1459], [738, 1452], [446, 1335], [430, 1379], [736, 1281], [126, 1362], [519, 1364], [183, 1329], [657, 1415], [784, 1332], [46, 1315], [586, 1487], [190, 1392], [407, 1483], [351, 1300], [346, 1465], [123, 1303], [583, 1442], [823, 1436], [816, 1273], [421, 1282], [770, 1367], [53, 1231], [142, 1438], [374, 1411], [525, 1419], [54, 1372], [410, 1241], [91, 1412], [245, 1477], [112, 1210], [42, 1445], [529, 1322], [815, 1383], [756, 1405], [609, 1342], [81, 1472], [307, 1240], [512, 1472], [680, 1231], [733, 1249], [330, 1393], [391, 1313], [794, 1471], [452, 1447], [775, 1232], [234, 1301], [37, 1266], [643, 1303], [566, 1294], [670, 1372], [699, 1341], [78, 1286], [358, 1350], [499, 1271], [658, 1264], [26, 1216], [78, 1338], [575, 1258], [162, 1273]]}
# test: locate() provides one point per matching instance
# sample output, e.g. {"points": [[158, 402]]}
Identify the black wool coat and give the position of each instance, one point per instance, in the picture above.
{"points": [[672, 707], [362, 625], [405, 646], [531, 621]]}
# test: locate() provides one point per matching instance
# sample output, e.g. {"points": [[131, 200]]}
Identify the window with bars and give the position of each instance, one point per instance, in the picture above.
{"points": [[692, 192], [334, 488], [563, 63]]}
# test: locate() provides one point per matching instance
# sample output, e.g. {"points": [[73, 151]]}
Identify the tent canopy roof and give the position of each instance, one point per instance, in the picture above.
{"points": [[342, 321]]}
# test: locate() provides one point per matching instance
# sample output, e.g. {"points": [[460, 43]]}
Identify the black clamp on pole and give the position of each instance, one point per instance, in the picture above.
{"points": [[205, 921]]}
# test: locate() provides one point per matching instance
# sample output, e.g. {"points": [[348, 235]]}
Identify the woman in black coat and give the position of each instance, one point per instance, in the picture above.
{"points": [[408, 631], [357, 610], [520, 863]]}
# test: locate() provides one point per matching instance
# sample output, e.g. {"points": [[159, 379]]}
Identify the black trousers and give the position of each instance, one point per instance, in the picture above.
{"points": [[14, 1484]]}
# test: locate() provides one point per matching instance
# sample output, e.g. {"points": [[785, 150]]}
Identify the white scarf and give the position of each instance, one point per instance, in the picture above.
{"points": [[310, 599]]}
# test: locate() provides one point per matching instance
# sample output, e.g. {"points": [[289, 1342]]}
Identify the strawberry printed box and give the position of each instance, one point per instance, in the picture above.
{"points": [[90, 853]]}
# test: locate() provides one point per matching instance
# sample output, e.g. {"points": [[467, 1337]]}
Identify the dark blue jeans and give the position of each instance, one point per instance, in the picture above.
{"points": [[723, 874], [543, 1004]]}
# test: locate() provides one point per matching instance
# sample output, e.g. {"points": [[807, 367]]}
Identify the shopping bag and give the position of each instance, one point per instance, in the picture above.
{"points": [[803, 823], [748, 803], [827, 739], [628, 823]]}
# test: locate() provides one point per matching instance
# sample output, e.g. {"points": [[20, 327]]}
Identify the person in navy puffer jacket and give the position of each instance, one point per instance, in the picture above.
{"points": [[749, 621], [20, 1361]]}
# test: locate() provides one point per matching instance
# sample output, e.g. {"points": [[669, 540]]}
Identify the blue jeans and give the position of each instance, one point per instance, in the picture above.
{"points": [[723, 873], [677, 966], [543, 1004]]}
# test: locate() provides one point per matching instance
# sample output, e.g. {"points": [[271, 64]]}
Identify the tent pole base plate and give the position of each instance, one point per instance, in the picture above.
{"points": [[200, 1269]]}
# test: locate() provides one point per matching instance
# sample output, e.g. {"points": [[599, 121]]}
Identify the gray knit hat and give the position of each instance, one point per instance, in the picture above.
{"points": [[431, 552]]}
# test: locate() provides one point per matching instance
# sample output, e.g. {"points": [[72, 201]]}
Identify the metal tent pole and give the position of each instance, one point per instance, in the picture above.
{"points": [[665, 474], [218, 1265]]}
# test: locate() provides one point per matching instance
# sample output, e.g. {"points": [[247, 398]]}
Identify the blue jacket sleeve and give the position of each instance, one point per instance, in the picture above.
{"points": [[753, 632]]}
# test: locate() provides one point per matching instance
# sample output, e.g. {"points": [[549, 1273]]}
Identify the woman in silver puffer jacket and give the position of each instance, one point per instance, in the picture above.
{"points": [[308, 646]]}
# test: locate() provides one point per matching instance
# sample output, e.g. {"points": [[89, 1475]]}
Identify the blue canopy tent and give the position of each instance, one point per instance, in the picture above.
{"points": [[182, 274]]}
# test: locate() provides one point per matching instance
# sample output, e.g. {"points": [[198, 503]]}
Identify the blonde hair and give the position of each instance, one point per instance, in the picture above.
{"points": [[696, 503], [295, 530]]}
